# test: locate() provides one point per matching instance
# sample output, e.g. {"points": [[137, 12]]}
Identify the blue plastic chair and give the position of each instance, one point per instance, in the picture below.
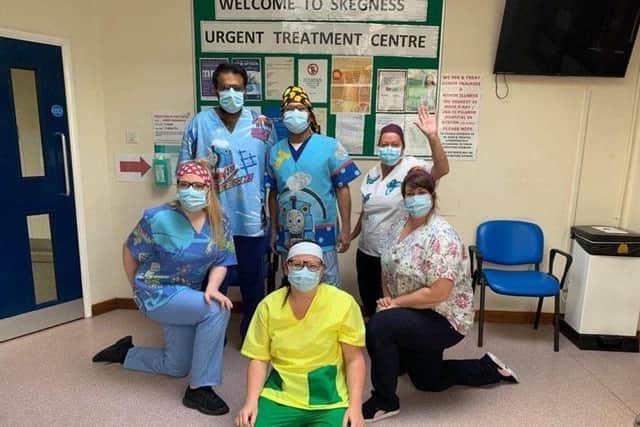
{"points": [[510, 243]]}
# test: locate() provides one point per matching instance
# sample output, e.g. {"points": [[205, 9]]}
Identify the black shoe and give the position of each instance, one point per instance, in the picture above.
{"points": [[205, 400], [369, 409], [511, 376], [115, 353]]}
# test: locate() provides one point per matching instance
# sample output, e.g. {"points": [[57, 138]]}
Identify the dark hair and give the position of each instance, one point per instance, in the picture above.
{"points": [[227, 67], [419, 177], [392, 128]]}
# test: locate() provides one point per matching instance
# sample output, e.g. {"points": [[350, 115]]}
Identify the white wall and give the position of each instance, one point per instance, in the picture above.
{"points": [[133, 59]]}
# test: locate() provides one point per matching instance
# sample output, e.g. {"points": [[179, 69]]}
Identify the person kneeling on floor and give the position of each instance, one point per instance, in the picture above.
{"points": [[427, 306], [166, 259]]}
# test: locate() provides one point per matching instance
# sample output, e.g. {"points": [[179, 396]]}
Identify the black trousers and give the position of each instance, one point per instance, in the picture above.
{"points": [[417, 339], [369, 281]]}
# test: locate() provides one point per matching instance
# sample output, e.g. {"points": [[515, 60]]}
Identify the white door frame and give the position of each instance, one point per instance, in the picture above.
{"points": [[75, 152]]}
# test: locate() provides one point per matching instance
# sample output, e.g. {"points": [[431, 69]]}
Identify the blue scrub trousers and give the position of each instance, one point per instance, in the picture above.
{"points": [[194, 334]]}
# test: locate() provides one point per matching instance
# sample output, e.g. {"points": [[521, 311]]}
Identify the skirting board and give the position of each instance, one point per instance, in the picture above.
{"points": [[492, 316]]}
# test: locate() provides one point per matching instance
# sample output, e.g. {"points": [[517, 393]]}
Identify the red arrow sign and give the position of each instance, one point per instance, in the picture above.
{"points": [[135, 166]]}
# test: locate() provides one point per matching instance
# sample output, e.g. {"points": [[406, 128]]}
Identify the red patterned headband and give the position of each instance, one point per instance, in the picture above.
{"points": [[192, 168]]}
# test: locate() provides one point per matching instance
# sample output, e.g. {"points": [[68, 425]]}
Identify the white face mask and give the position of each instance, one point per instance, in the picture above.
{"points": [[296, 121], [231, 100]]}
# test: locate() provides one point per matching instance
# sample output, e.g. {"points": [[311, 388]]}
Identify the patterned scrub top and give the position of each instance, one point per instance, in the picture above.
{"points": [[237, 160], [172, 255], [431, 252], [306, 181]]}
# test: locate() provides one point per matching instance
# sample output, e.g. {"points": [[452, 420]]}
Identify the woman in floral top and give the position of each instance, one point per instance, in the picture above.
{"points": [[167, 258], [427, 306]]}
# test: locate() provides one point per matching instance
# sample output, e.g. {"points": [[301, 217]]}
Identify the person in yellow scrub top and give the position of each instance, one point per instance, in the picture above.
{"points": [[312, 334]]}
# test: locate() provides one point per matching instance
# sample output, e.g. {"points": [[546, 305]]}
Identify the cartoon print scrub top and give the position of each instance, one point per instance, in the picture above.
{"points": [[172, 255]]}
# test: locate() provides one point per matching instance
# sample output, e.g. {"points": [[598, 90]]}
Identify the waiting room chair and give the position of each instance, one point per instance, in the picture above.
{"points": [[513, 243]]}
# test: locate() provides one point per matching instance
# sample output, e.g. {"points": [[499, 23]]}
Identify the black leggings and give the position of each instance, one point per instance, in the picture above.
{"points": [[369, 281], [417, 339]]}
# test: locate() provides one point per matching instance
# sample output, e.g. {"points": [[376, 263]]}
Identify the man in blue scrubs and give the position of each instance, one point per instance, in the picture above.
{"points": [[235, 140]]}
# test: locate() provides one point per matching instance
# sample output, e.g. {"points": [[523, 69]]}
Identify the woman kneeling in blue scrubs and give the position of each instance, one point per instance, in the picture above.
{"points": [[166, 258]]}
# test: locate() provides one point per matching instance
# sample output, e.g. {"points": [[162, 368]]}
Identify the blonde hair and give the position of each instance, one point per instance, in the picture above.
{"points": [[213, 209]]}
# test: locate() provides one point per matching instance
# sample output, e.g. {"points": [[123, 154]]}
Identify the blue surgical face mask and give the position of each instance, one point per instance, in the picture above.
{"points": [[304, 279], [296, 121], [389, 155], [418, 205], [231, 100], [192, 199]]}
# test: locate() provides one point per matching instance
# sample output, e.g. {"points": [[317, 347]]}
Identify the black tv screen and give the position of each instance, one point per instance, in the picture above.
{"points": [[567, 37]]}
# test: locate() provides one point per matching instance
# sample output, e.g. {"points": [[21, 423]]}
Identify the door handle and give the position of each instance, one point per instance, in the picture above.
{"points": [[65, 163]]}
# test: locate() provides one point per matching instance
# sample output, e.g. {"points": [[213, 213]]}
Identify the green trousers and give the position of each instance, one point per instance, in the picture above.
{"points": [[272, 414]]}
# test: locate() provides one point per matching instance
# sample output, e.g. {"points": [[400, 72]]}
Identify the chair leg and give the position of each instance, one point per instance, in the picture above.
{"points": [[481, 317], [537, 322], [556, 322]]}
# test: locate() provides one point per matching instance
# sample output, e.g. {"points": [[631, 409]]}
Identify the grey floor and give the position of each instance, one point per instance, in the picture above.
{"points": [[47, 379]]}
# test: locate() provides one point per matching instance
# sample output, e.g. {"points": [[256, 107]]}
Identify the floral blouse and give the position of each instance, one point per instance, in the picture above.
{"points": [[431, 252]]}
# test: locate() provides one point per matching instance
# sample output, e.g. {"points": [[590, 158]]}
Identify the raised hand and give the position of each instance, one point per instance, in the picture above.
{"points": [[427, 122]]}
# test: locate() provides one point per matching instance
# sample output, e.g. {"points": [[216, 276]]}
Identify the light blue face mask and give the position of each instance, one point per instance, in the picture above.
{"points": [[304, 279], [192, 199], [231, 100], [418, 205], [296, 121], [389, 155]]}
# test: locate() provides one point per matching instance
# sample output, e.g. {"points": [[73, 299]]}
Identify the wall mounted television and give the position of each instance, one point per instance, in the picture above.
{"points": [[567, 37]]}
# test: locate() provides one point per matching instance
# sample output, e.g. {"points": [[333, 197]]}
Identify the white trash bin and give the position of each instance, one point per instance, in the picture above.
{"points": [[603, 295]]}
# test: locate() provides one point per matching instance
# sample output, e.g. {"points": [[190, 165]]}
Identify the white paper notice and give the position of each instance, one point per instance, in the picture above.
{"points": [[321, 118], [391, 86], [459, 115], [384, 119], [278, 75], [312, 77], [350, 132], [169, 127], [416, 144]]}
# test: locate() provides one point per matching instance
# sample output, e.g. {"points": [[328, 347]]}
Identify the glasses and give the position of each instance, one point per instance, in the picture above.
{"points": [[200, 186], [299, 265]]}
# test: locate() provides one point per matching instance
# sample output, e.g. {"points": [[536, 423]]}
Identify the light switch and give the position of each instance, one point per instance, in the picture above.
{"points": [[131, 136]]}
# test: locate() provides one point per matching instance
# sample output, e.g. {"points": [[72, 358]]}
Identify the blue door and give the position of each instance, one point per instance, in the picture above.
{"points": [[40, 282]]}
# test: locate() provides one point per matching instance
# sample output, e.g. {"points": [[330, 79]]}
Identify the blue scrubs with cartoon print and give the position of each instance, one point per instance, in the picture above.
{"points": [[305, 181], [173, 262]]}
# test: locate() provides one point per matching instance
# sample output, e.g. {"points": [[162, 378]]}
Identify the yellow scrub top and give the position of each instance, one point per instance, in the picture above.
{"points": [[306, 355]]}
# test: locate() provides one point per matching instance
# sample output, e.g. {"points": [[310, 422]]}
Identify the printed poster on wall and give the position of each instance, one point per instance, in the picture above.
{"points": [[351, 79], [391, 87], [421, 89], [207, 67], [312, 77], [278, 75], [350, 131], [459, 115], [254, 74]]}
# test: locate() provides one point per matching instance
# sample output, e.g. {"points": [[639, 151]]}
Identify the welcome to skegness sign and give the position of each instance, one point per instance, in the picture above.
{"points": [[320, 38], [322, 10]]}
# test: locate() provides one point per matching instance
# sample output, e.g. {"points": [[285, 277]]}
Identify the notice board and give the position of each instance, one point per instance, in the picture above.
{"points": [[364, 63]]}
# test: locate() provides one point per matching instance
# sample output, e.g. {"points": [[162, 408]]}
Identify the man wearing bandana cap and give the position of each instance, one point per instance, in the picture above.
{"points": [[308, 174]]}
